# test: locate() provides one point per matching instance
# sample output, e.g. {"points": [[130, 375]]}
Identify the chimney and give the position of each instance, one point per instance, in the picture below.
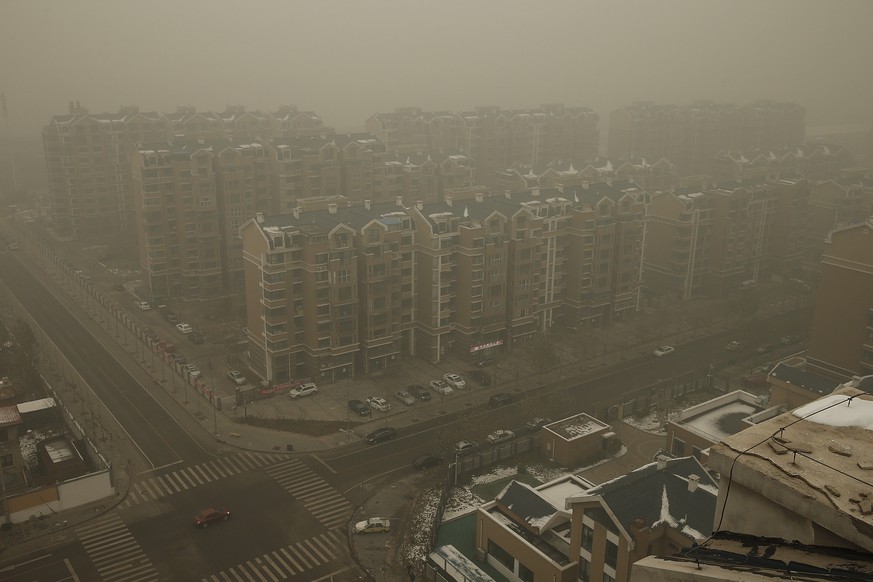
{"points": [[400, 201], [693, 481], [561, 188], [448, 198], [584, 185], [296, 212], [507, 193], [367, 204], [419, 204], [331, 208], [535, 191], [259, 216], [480, 197], [201, 141], [662, 462]]}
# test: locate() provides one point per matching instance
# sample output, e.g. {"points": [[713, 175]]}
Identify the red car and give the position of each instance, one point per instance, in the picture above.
{"points": [[213, 514]]}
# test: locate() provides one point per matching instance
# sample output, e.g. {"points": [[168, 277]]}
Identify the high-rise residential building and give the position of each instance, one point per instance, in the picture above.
{"points": [[711, 239], [495, 270], [841, 338], [689, 136], [178, 218], [845, 200], [492, 137], [87, 157]]}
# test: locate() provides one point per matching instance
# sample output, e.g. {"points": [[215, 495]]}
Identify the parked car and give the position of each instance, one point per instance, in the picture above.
{"points": [[119, 287], [168, 347], [419, 391], [184, 328], [465, 447], [500, 436], [373, 525], [178, 358], [380, 435], [733, 346], [426, 461], [193, 370], [378, 403], [143, 305], [237, 377], [171, 317], [404, 397], [455, 381], [195, 338], [359, 408], [664, 350], [537, 422], [304, 389], [501, 399], [441, 387], [211, 515], [789, 339], [13, 246]]}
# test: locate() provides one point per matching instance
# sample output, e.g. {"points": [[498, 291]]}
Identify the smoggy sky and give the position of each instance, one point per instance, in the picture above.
{"points": [[348, 60]]}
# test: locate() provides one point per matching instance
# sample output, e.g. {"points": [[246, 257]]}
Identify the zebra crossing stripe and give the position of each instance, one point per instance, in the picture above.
{"points": [[315, 551], [291, 559]]}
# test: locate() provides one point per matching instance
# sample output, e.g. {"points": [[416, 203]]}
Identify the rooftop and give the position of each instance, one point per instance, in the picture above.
{"points": [[577, 426], [819, 459], [721, 417]]}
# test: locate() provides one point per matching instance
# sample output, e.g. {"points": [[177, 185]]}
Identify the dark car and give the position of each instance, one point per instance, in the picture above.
{"points": [[359, 407], [171, 317], [179, 358], [196, 338], [419, 391], [380, 435], [501, 399], [426, 461], [211, 515]]}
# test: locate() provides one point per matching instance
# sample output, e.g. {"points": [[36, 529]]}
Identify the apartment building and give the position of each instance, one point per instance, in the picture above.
{"points": [[492, 137], [329, 290], [179, 226], [690, 135], [87, 159], [841, 201], [710, 239], [656, 509], [841, 336], [495, 270]]}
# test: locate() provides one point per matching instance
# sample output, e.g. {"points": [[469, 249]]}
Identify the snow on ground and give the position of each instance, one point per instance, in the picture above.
{"points": [[650, 423], [414, 548]]}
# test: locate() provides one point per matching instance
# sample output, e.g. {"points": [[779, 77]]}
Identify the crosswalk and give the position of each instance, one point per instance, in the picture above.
{"points": [[285, 562], [155, 488], [114, 551], [316, 495]]}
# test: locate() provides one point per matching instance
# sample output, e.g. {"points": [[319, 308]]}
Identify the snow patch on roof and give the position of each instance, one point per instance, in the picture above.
{"points": [[838, 410]]}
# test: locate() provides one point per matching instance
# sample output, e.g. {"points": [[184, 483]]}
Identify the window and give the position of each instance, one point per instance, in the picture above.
{"points": [[501, 555], [524, 573], [587, 537], [584, 566], [611, 555], [608, 578]]}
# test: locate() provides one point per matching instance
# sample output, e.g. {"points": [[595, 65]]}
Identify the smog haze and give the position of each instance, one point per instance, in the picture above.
{"points": [[349, 60]]}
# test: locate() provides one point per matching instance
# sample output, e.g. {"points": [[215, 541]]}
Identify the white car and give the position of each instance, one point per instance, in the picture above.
{"points": [[500, 436], [373, 525], [455, 381], [664, 350], [379, 404], [193, 370], [441, 387], [143, 305], [303, 390], [237, 377], [184, 328]]}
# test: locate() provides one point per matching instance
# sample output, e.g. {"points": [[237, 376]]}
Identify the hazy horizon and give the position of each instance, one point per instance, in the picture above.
{"points": [[347, 61]]}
